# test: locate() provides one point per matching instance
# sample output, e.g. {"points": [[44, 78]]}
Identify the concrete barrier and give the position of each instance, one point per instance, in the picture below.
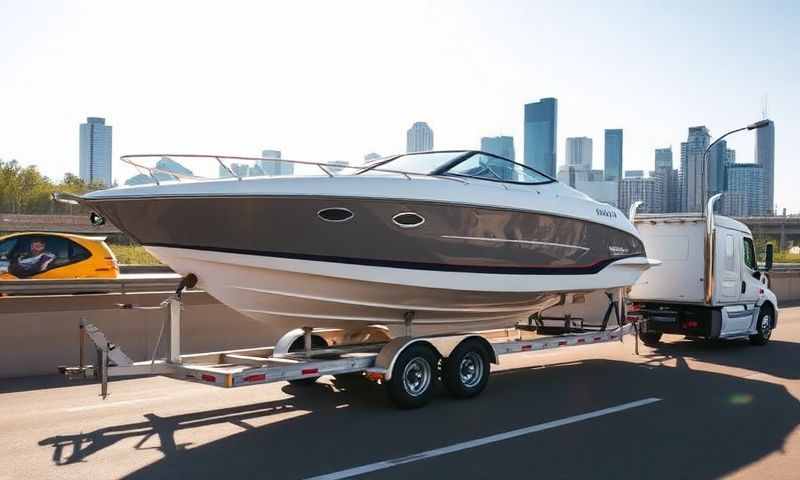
{"points": [[40, 333]]}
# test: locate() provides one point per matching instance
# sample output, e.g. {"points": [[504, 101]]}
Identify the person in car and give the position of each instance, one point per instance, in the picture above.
{"points": [[36, 260]]}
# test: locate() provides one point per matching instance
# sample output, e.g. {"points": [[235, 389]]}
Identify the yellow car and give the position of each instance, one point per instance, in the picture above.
{"points": [[50, 256]]}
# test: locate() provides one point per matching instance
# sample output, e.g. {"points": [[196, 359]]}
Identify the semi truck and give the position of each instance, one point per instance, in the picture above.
{"points": [[709, 284]]}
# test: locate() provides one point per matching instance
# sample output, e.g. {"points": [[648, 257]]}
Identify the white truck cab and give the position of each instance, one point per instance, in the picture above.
{"points": [[709, 284]]}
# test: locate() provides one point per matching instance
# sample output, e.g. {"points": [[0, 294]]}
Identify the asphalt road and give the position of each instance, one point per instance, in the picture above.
{"points": [[684, 410]]}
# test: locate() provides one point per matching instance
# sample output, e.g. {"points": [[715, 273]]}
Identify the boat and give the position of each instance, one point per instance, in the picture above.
{"points": [[448, 240]]}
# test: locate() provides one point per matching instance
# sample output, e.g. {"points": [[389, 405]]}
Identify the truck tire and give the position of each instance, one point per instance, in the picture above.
{"points": [[764, 328], [466, 370], [413, 377], [651, 339]]}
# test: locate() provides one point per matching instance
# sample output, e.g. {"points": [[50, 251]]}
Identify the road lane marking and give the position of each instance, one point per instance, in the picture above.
{"points": [[479, 442], [112, 404]]}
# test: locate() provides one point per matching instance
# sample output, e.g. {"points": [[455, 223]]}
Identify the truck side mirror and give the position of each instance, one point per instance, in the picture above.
{"points": [[768, 258]]}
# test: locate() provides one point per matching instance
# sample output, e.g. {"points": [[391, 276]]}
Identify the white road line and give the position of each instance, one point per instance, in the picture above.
{"points": [[372, 467], [112, 404]]}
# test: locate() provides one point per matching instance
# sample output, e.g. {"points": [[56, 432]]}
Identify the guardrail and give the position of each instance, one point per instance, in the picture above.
{"points": [[130, 283]]}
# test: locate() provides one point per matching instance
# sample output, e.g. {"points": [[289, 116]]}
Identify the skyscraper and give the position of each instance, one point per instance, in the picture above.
{"points": [[613, 154], [691, 174], [419, 138], [579, 152], [717, 162], [667, 179], [746, 195], [644, 189], [541, 123], [273, 168], [501, 146], [664, 157], [95, 151], [765, 156]]}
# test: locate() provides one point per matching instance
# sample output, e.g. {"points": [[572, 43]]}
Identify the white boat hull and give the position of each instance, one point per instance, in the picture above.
{"points": [[291, 293]]}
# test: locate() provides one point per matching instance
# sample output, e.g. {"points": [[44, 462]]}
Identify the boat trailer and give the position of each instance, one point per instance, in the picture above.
{"points": [[407, 365]]}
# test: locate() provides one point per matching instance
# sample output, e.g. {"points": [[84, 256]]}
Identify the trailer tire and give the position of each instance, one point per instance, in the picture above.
{"points": [[764, 328], [414, 377], [651, 339], [466, 370]]}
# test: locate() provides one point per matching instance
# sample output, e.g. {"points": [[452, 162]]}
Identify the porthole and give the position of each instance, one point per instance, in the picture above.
{"points": [[336, 214], [408, 220]]}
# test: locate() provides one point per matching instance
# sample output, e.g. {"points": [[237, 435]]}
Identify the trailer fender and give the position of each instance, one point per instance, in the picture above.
{"points": [[285, 343], [442, 345]]}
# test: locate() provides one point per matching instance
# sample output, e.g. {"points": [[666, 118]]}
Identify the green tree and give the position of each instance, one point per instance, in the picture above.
{"points": [[26, 190]]}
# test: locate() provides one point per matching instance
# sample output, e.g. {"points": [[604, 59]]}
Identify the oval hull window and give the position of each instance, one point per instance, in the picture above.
{"points": [[336, 214], [408, 220]]}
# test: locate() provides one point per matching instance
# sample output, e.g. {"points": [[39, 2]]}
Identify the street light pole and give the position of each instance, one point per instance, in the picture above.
{"points": [[704, 189]]}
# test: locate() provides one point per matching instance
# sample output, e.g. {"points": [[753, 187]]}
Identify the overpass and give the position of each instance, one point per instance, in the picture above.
{"points": [[785, 228], [12, 222]]}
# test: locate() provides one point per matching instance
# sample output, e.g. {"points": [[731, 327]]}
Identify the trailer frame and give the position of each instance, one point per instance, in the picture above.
{"points": [[286, 362]]}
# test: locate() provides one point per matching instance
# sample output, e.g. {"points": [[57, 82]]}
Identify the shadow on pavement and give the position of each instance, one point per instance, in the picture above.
{"points": [[777, 358], [706, 426], [49, 382]]}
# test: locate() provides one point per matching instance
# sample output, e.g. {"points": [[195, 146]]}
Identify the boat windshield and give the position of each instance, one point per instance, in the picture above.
{"points": [[418, 163], [497, 169], [459, 163]]}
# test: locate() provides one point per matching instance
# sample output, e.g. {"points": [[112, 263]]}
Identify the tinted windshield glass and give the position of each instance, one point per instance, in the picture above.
{"points": [[421, 163], [497, 169]]}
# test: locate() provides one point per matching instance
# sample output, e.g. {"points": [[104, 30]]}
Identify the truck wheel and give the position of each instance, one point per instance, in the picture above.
{"points": [[764, 328], [466, 370], [413, 377], [651, 339]]}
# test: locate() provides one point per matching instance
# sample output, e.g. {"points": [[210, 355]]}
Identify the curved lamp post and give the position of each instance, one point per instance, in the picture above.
{"points": [[708, 209], [752, 126]]}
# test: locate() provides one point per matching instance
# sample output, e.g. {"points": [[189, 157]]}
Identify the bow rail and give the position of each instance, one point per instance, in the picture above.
{"points": [[328, 169]]}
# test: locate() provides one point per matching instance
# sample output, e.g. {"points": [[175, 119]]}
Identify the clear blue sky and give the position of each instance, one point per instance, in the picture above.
{"points": [[336, 80]]}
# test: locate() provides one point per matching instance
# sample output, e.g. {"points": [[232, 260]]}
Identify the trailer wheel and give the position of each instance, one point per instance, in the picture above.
{"points": [[413, 377], [651, 339], [466, 370], [764, 327]]}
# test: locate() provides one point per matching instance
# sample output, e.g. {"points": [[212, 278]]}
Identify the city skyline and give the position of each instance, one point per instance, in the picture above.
{"points": [[640, 86]]}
